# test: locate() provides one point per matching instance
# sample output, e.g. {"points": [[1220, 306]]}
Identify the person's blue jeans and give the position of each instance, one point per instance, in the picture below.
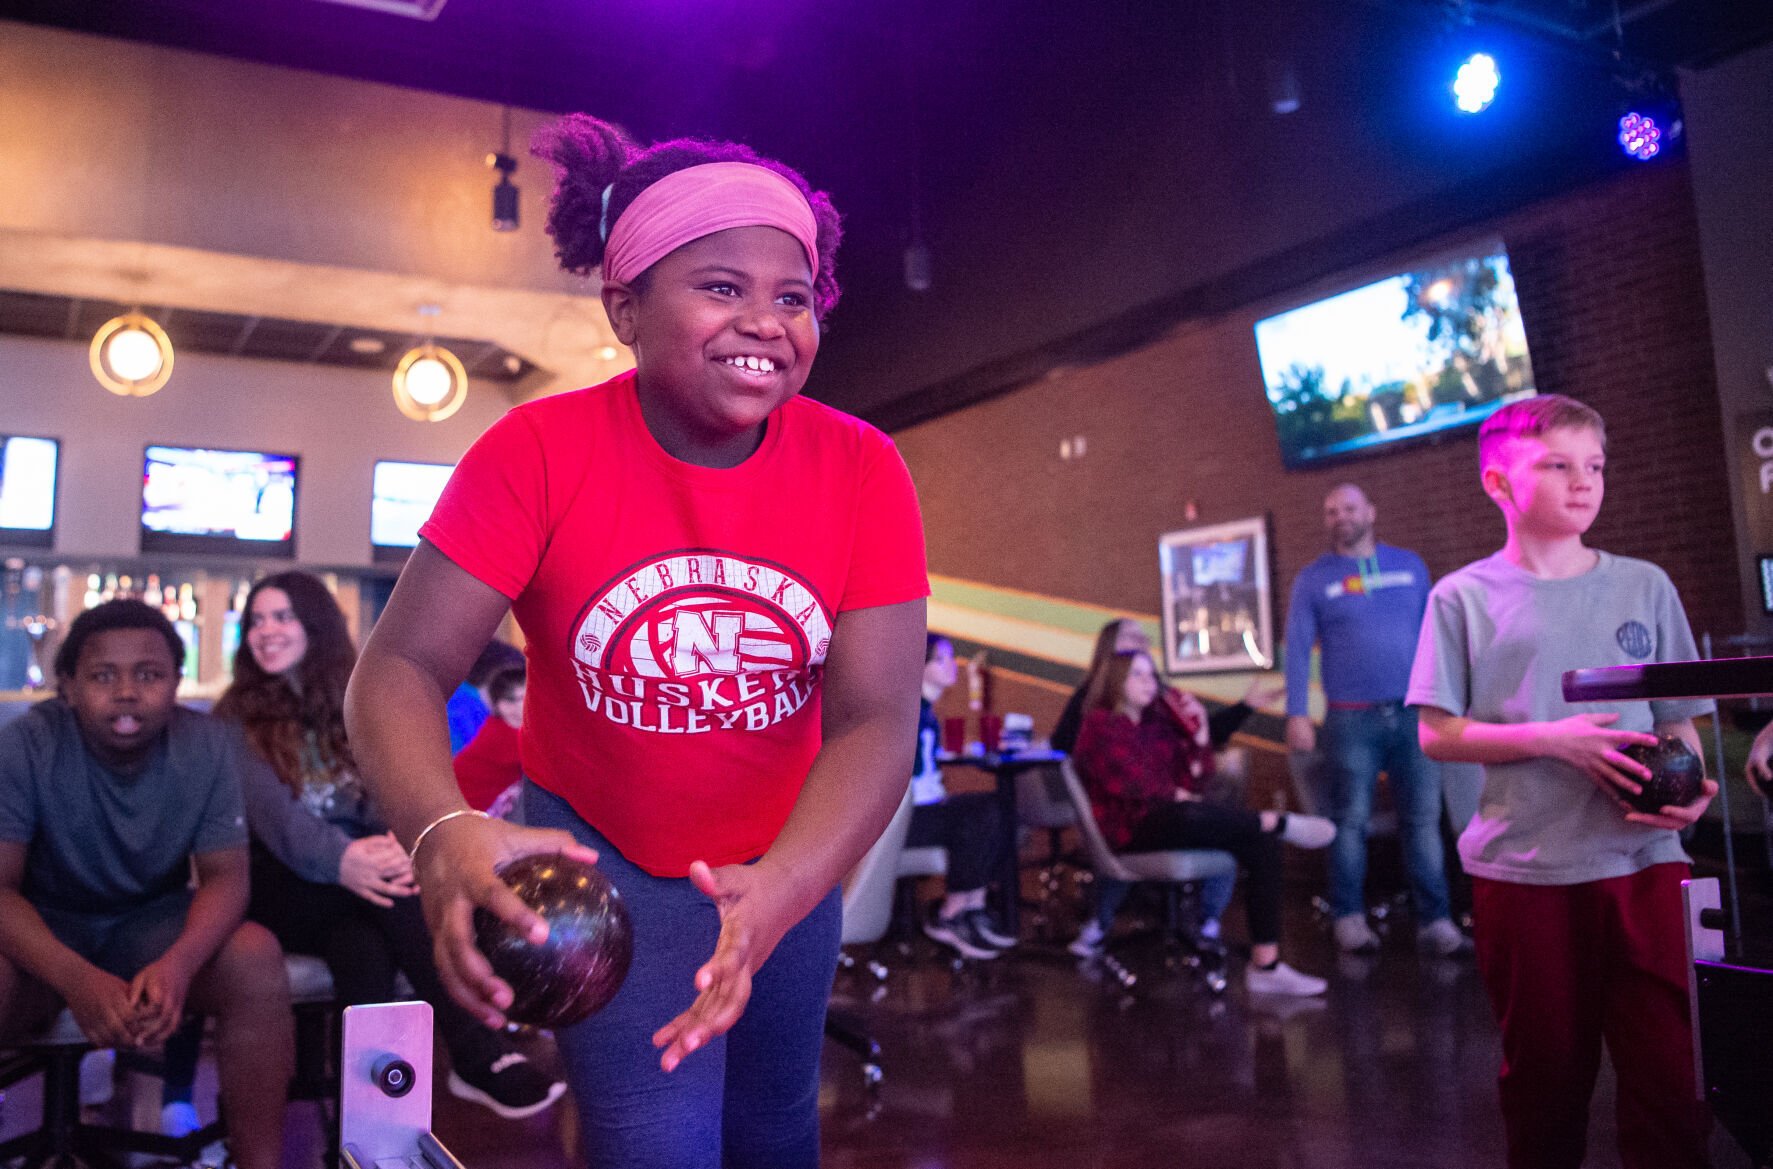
{"points": [[1357, 745], [750, 1098]]}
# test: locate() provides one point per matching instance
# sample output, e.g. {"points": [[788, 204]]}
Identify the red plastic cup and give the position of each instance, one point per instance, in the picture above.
{"points": [[954, 735], [990, 731]]}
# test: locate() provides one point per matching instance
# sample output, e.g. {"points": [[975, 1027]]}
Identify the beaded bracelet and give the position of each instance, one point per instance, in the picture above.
{"points": [[412, 854]]}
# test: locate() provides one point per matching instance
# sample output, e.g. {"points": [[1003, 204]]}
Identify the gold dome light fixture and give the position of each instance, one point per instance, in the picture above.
{"points": [[131, 355], [429, 383]]}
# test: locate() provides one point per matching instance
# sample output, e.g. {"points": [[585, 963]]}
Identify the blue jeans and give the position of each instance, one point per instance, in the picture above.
{"points": [[1357, 745], [750, 1098]]}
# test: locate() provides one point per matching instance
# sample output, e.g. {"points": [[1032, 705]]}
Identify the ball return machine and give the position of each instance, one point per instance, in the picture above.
{"points": [[1731, 1000]]}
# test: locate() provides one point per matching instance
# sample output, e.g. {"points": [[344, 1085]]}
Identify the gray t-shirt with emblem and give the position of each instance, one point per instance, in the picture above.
{"points": [[1494, 647], [99, 843]]}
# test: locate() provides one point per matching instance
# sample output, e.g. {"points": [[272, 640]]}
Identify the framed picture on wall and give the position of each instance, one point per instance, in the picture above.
{"points": [[1218, 603]]}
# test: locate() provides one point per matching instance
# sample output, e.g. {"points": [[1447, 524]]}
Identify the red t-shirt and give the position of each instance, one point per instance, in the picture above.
{"points": [[490, 763], [678, 616]]}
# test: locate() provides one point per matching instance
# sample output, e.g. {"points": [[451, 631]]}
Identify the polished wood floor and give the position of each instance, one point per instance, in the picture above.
{"points": [[1039, 1061]]}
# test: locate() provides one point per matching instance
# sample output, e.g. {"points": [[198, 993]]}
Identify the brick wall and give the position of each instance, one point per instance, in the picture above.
{"points": [[1613, 297]]}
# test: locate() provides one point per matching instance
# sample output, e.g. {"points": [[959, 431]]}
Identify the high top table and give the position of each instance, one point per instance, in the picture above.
{"points": [[1004, 767]]}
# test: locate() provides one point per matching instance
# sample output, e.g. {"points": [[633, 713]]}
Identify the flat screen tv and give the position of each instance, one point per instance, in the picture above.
{"points": [[199, 500], [27, 490], [401, 498], [1408, 357]]}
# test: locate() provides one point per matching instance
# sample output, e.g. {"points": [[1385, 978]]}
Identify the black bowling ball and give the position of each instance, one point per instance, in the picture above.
{"points": [[1676, 774], [590, 942]]}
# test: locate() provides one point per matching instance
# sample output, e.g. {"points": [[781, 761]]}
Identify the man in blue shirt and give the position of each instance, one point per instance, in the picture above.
{"points": [[1362, 604]]}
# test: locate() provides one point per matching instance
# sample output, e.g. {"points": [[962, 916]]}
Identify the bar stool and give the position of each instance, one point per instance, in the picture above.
{"points": [[63, 1140]]}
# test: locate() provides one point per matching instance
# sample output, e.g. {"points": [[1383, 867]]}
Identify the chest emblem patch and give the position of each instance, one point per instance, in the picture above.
{"points": [[1634, 639], [695, 641]]}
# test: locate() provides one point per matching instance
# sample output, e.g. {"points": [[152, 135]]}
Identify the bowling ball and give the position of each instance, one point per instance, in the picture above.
{"points": [[1676, 774], [590, 942]]}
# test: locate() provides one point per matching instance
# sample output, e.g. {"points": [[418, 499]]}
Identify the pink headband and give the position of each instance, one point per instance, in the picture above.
{"points": [[700, 200]]}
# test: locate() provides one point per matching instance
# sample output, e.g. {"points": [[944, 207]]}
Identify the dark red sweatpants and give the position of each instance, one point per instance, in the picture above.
{"points": [[1569, 965]]}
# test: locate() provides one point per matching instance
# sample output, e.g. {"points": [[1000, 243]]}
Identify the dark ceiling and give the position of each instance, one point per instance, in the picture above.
{"points": [[1080, 171]]}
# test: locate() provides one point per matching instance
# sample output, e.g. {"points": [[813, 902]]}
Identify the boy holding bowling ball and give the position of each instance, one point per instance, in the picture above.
{"points": [[1576, 897], [721, 585]]}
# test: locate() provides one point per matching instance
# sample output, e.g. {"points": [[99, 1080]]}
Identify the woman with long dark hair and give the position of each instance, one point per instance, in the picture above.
{"points": [[328, 878]]}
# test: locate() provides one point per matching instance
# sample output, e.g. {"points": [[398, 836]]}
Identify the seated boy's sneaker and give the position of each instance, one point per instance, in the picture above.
{"points": [[959, 935], [1442, 939], [98, 1077], [179, 1119], [510, 1086], [1284, 980], [1302, 831], [986, 927], [1354, 935], [1090, 941]]}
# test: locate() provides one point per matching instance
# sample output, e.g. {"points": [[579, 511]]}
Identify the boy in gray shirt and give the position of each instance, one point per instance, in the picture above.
{"points": [[1576, 899], [110, 794]]}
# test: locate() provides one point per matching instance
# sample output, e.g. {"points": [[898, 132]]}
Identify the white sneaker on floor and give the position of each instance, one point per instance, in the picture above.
{"points": [[1283, 980], [179, 1119], [1089, 942], [98, 1079], [510, 1085], [1442, 939], [1354, 935], [987, 928], [1302, 831]]}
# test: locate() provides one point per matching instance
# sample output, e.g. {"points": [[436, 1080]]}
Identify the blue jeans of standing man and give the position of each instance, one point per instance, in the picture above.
{"points": [[1359, 743]]}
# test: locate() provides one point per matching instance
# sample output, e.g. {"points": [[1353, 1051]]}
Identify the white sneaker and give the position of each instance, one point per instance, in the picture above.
{"points": [[179, 1119], [1089, 940], [98, 1081], [1442, 939], [1302, 831], [1283, 980], [1354, 935]]}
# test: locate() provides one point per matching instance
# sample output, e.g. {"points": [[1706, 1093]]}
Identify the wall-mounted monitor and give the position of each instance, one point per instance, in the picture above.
{"points": [[199, 500], [1408, 357], [401, 498], [27, 490]]}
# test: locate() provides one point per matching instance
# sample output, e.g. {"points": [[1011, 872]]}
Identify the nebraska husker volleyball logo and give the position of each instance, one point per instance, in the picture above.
{"points": [[697, 641]]}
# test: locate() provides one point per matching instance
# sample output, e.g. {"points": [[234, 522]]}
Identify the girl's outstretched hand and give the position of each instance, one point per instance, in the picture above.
{"points": [[457, 867], [753, 919]]}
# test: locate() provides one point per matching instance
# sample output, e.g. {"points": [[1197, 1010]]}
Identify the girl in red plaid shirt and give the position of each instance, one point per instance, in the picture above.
{"points": [[1144, 759]]}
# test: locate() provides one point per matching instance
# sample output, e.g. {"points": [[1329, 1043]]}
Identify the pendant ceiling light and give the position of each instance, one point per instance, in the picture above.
{"points": [[429, 383], [131, 355]]}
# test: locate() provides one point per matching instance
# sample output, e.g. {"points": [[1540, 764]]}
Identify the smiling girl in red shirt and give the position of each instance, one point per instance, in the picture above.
{"points": [[722, 588]]}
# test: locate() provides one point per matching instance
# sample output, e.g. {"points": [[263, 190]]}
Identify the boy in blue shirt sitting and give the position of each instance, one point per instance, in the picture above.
{"points": [[110, 795]]}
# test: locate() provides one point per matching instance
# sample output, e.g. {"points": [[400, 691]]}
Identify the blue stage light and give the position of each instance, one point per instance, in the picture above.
{"points": [[1474, 86], [1640, 136]]}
